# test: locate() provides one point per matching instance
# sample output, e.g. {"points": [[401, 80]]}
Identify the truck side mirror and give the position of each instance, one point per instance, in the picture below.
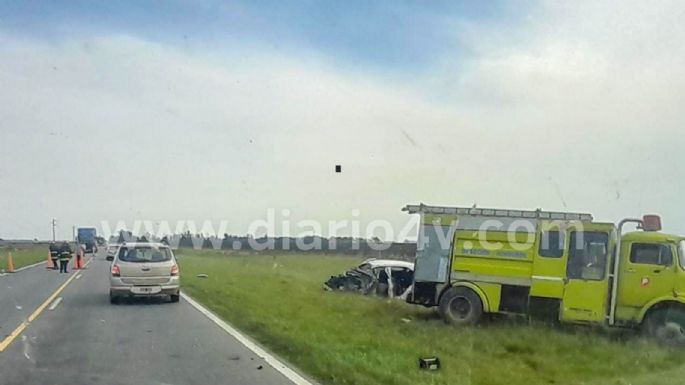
{"points": [[651, 222]]}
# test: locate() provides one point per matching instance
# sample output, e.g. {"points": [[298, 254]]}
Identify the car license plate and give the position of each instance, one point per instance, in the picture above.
{"points": [[145, 289]]}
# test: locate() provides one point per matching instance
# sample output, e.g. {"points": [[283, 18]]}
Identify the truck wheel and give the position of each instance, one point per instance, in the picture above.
{"points": [[461, 306], [666, 325]]}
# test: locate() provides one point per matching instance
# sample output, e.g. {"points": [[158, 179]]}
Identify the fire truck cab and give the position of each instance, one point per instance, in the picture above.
{"points": [[549, 265]]}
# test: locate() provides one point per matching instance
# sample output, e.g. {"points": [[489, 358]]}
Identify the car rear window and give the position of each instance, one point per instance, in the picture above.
{"points": [[144, 254]]}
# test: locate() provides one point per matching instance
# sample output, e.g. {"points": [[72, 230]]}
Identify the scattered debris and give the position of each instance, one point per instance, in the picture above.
{"points": [[429, 363], [406, 320], [234, 358], [19, 307], [382, 277], [259, 367], [202, 276]]}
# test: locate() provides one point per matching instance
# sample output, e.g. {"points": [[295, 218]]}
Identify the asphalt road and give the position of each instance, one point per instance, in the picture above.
{"points": [[85, 340]]}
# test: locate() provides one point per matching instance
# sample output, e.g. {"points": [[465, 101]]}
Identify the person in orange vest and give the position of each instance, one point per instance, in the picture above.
{"points": [[64, 257]]}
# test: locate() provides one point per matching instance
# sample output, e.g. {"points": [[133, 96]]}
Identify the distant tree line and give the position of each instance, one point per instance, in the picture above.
{"points": [[308, 244]]}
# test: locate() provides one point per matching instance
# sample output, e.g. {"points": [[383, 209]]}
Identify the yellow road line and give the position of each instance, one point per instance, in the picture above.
{"points": [[17, 332], [7, 341]]}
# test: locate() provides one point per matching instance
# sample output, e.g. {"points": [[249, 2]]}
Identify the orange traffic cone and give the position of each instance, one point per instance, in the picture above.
{"points": [[50, 265], [10, 263], [78, 263]]}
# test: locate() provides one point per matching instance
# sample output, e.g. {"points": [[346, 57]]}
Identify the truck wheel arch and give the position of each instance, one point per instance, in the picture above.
{"points": [[472, 286], [659, 303]]}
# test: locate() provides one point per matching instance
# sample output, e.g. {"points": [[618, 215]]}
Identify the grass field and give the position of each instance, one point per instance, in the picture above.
{"points": [[342, 338], [23, 256]]}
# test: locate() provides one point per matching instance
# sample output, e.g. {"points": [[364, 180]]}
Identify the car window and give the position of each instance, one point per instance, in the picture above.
{"points": [[144, 254]]}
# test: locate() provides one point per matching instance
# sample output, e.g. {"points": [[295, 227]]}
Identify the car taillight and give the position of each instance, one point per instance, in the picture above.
{"points": [[174, 270], [115, 271]]}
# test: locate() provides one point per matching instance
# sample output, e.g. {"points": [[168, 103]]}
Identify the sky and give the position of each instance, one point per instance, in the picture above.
{"points": [[209, 111]]}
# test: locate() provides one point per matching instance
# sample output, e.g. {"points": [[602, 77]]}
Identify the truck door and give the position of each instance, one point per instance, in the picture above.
{"points": [[550, 261], [432, 264], [647, 273], [586, 287], [434, 249]]}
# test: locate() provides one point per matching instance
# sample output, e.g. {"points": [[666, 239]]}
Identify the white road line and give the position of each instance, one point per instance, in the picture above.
{"points": [[37, 264], [271, 360], [78, 276], [55, 303], [30, 266]]}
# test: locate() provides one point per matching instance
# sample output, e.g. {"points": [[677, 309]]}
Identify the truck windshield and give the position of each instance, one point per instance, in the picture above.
{"points": [[681, 253]]}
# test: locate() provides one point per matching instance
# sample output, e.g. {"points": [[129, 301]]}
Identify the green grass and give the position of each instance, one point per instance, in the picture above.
{"points": [[23, 256], [343, 338]]}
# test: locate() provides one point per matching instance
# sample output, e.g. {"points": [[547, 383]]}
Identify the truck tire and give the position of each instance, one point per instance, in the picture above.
{"points": [[666, 325], [461, 306]]}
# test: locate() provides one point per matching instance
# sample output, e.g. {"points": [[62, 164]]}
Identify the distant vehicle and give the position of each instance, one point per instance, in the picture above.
{"points": [[112, 251], [382, 277], [144, 269], [86, 237]]}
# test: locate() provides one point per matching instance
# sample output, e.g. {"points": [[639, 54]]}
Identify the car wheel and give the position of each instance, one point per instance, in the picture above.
{"points": [[175, 297], [461, 306], [113, 299], [667, 326]]}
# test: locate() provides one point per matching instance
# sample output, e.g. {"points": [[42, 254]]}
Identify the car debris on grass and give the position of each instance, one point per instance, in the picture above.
{"points": [[382, 277]]}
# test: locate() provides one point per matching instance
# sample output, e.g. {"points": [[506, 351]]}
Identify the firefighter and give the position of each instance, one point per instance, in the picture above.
{"points": [[54, 254], [64, 257]]}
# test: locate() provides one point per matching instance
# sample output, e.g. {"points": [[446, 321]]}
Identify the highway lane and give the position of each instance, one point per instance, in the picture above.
{"points": [[22, 292], [87, 340]]}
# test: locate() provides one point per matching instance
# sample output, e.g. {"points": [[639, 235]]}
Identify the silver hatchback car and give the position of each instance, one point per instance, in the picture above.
{"points": [[144, 269]]}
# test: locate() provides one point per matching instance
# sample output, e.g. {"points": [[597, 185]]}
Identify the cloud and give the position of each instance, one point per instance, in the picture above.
{"points": [[578, 109], [592, 91], [118, 127]]}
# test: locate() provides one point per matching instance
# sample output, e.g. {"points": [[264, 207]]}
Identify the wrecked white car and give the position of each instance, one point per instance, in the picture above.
{"points": [[381, 277]]}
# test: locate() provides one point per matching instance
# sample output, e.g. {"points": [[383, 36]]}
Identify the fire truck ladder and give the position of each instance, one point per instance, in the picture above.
{"points": [[507, 213]]}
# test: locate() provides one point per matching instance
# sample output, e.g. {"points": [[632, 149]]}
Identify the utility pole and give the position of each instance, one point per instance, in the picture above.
{"points": [[54, 225]]}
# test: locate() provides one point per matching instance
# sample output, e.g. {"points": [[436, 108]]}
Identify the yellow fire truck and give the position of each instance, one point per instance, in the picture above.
{"points": [[550, 265]]}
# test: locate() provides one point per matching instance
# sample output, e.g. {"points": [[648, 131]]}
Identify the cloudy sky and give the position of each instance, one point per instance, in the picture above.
{"points": [[174, 110]]}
